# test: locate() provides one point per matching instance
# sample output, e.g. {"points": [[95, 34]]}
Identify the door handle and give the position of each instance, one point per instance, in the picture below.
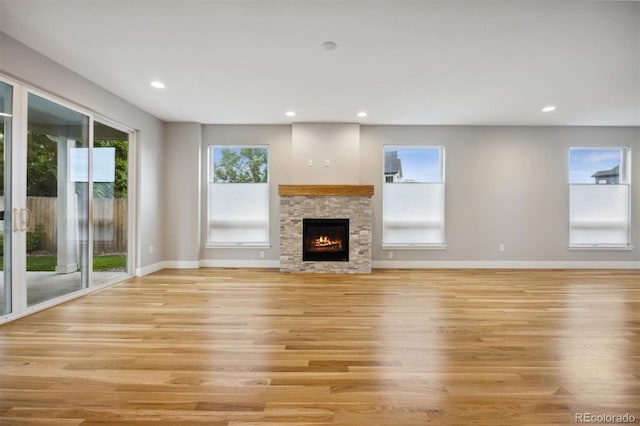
{"points": [[26, 223], [15, 220], [21, 220]]}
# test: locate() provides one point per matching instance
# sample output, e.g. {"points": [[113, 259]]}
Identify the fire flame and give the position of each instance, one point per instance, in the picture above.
{"points": [[324, 241]]}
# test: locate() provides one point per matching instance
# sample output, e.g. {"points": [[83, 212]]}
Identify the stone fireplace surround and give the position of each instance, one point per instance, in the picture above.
{"points": [[351, 202]]}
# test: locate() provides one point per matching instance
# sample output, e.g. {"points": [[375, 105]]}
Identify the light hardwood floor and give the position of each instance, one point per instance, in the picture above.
{"points": [[257, 347]]}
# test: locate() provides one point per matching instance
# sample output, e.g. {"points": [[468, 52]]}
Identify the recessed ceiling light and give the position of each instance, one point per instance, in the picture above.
{"points": [[362, 114], [329, 45], [549, 108], [290, 114], [4, 114], [157, 84]]}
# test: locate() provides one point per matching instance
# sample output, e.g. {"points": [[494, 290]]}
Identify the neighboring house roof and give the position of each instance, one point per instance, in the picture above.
{"points": [[392, 164], [607, 173]]}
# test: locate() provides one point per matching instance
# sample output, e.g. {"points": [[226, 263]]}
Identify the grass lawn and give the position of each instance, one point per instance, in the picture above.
{"points": [[100, 263]]}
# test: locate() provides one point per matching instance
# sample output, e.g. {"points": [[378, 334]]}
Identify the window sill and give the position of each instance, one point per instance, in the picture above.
{"points": [[601, 247], [239, 245], [414, 246]]}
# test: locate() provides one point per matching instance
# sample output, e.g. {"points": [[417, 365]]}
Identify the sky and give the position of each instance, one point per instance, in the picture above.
{"points": [[418, 164], [585, 162]]}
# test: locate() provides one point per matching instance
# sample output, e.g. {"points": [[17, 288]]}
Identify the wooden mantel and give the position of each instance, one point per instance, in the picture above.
{"points": [[326, 190]]}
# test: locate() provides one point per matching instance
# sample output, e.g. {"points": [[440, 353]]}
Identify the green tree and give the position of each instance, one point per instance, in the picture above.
{"points": [[240, 165], [42, 165], [42, 168]]}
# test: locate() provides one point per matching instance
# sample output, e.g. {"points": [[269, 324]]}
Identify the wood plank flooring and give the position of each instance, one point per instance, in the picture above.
{"points": [[234, 347]]}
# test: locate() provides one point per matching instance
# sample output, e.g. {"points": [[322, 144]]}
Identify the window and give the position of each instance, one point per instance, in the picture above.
{"points": [[238, 196], [413, 196], [599, 186]]}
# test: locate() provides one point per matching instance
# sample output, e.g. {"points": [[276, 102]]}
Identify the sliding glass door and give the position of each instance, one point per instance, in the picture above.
{"points": [[110, 202], [65, 205], [57, 200]]}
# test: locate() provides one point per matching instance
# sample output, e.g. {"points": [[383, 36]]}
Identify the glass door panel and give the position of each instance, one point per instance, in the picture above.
{"points": [[6, 100], [110, 198], [57, 200]]}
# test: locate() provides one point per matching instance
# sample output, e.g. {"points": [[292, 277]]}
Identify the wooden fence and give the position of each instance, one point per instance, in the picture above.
{"points": [[109, 223]]}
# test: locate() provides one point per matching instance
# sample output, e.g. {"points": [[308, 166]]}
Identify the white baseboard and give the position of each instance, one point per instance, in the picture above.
{"points": [[500, 264], [396, 264], [181, 264], [207, 263], [149, 269], [238, 263]]}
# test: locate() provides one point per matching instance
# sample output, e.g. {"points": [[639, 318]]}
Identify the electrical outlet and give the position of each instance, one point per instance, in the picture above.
{"points": [[501, 247], [262, 255], [390, 255], [310, 162], [150, 249]]}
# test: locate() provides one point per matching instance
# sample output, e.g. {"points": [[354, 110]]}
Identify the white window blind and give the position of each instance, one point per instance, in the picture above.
{"points": [[238, 196], [413, 213], [599, 214], [599, 197], [413, 196], [238, 213]]}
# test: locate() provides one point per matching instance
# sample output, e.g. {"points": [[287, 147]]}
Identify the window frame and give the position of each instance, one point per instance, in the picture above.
{"points": [[442, 168], [210, 181], [626, 170]]}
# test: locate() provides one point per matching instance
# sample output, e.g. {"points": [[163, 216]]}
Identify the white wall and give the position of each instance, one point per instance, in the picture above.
{"points": [[504, 185], [182, 176], [337, 143], [26, 65]]}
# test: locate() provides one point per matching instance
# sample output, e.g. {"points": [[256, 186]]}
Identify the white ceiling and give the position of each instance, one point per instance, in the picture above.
{"points": [[404, 62]]}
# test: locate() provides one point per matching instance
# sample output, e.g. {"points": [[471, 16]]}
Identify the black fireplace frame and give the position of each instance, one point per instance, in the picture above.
{"points": [[337, 256]]}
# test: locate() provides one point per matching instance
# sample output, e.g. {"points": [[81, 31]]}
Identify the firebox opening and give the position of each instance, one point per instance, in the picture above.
{"points": [[325, 240]]}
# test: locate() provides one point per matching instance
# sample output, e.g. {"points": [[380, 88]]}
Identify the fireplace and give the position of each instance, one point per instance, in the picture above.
{"points": [[325, 240], [352, 202]]}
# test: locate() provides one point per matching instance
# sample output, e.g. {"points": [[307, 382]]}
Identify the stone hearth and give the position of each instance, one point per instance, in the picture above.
{"points": [[351, 202]]}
